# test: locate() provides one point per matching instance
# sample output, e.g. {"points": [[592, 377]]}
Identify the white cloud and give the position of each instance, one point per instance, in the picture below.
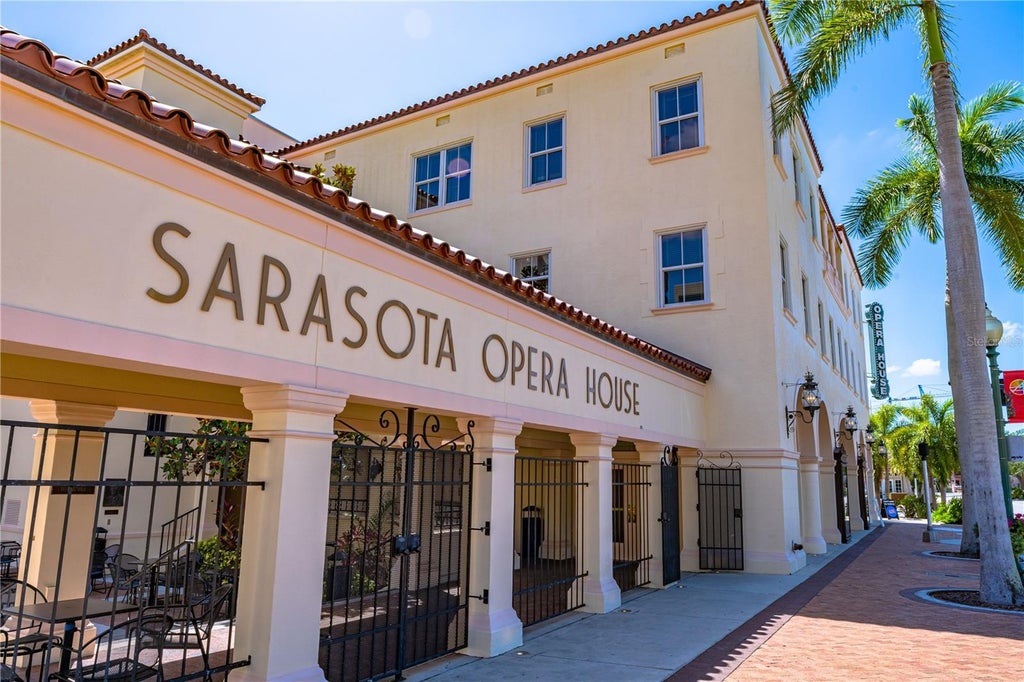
{"points": [[922, 367], [892, 369], [1012, 333]]}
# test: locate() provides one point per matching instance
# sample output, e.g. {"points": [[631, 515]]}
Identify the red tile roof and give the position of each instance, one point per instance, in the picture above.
{"points": [[143, 37], [35, 55], [652, 32]]}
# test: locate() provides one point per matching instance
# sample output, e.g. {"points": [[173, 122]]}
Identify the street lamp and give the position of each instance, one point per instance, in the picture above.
{"points": [[922, 451], [884, 453], [993, 334]]}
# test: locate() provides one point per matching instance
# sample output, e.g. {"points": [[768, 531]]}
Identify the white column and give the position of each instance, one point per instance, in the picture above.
{"points": [[853, 487], [810, 519], [600, 591], [651, 453], [281, 576], [494, 627], [55, 452]]}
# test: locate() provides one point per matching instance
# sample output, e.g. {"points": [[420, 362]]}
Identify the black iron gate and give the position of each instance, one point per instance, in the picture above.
{"points": [[669, 516], [547, 579], [842, 493], [631, 484], [863, 492], [720, 514], [398, 536], [170, 555]]}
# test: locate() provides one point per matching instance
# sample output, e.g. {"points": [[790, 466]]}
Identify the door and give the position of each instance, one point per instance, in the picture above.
{"points": [[720, 514], [669, 517]]}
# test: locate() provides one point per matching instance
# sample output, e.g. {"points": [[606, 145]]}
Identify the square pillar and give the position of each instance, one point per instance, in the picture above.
{"points": [[651, 453], [55, 454], [600, 591], [494, 627], [853, 486], [810, 509], [283, 546]]}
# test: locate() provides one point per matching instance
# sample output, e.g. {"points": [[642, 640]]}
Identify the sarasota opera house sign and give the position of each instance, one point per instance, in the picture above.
{"points": [[880, 382]]}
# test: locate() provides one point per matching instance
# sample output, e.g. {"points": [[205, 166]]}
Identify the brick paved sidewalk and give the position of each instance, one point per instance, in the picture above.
{"points": [[862, 625]]}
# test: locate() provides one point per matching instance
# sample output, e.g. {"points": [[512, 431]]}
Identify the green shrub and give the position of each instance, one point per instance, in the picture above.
{"points": [[213, 556], [1017, 493], [951, 512], [913, 507]]}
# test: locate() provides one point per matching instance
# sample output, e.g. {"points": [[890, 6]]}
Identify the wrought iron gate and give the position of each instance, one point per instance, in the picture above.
{"points": [[547, 579], [398, 536], [863, 492], [720, 514], [670, 516], [174, 504], [842, 494], [631, 484]]}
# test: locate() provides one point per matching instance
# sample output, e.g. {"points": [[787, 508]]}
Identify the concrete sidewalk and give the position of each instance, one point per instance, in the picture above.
{"points": [[713, 625]]}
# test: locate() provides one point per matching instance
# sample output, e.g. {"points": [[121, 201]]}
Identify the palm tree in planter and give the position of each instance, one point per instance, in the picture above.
{"points": [[883, 421], [904, 198], [830, 34]]}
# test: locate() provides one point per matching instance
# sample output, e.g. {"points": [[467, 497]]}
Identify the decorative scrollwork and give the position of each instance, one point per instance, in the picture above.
{"points": [[670, 456], [433, 424], [703, 462]]}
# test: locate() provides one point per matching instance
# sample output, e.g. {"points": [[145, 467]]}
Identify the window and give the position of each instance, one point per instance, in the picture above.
{"points": [[679, 124], [897, 485], [832, 340], [533, 268], [545, 156], [154, 422], [442, 177], [796, 178], [842, 354], [808, 326], [821, 328], [787, 303], [683, 272], [815, 217]]}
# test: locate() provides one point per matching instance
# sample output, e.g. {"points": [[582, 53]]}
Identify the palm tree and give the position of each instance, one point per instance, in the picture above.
{"points": [[833, 32], [883, 422], [929, 422], [904, 197]]}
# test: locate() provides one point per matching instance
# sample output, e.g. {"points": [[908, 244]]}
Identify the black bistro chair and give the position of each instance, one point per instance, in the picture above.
{"points": [[116, 653], [10, 553], [22, 639], [126, 577], [190, 624]]}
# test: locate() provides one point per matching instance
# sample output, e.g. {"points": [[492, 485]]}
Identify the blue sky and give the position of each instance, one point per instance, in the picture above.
{"points": [[325, 65]]}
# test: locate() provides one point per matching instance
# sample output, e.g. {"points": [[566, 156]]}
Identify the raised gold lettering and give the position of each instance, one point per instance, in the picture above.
{"points": [[161, 252], [358, 343], [388, 305], [446, 349], [319, 295], [427, 317], [504, 363], [266, 299], [228, 262]]}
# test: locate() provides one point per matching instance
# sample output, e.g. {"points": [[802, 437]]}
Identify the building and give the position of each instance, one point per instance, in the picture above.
{"points": [[188, 273]]}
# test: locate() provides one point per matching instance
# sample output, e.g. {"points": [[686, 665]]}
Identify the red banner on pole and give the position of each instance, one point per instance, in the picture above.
{"points": [[1013, 384]]}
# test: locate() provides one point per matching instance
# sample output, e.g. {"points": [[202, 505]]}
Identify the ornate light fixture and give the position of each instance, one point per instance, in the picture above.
{"points": [[993, 329], [869, 435], [810, 401], [850, 420]]}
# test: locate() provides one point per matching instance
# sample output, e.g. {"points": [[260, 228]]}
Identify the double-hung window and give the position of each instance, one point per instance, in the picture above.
{"points": [[787, 303], [442, 177], [683, 267], [806, 299], [545, 152], [678, 118], [534, 268], [821, 328]]}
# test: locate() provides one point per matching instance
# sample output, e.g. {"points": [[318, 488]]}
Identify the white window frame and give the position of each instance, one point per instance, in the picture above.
{"points": [[660, 270], [805, 294], [787, 295], [815, 217], [442, 179], [656, 116], [897, 485], [529, 156], [821, 328], [832, 340], [530, 254]]}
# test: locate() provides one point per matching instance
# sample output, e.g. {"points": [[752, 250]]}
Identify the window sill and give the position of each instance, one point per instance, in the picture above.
{"points": [[800, 210], [810, 340], [682, 308], [779, 166], [789, 316], [544, 185], [681, 154], [441, 209]]}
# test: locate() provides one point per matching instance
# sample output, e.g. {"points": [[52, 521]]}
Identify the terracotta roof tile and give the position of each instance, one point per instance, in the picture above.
{"points": [[143, 36], [651, 32], [87, 80]]}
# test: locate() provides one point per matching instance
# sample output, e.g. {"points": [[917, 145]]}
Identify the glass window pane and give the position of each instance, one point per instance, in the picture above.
{"points": [[538, 169], [426, 194], [421, 168], [694, 284], [669, 137], [693, 247], [687, 97], [541, 283], [689, 135], [538, 141], [554, 134], [667, 106], [542, 264], [671, 250], [434, 165], [555, 165], [673, 287]]}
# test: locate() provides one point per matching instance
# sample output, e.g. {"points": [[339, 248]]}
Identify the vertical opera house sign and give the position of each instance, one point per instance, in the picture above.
{"points": [[880, 382]]}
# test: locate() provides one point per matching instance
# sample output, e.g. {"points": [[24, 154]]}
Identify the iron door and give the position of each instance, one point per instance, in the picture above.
{"points": [[720, 514], [670, 517]]}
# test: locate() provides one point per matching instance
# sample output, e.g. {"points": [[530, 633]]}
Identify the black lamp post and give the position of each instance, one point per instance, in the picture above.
{"points": [[993, 335], [922, 451]]}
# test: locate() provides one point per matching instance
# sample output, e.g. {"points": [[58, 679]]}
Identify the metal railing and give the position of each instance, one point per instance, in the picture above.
{"points": [[631, 543]]}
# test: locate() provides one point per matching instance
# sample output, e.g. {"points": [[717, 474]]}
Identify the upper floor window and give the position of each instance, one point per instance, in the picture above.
{"points": [[534, 268], [787, 302], [443, 177], [832, 341], [805, 295], [821, 328], [679, 118], [797, 181], [545, 157], [815, 217], [683, 268]]}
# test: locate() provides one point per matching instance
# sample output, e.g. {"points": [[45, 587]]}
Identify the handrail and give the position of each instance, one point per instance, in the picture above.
{"points": [[167, 538]]}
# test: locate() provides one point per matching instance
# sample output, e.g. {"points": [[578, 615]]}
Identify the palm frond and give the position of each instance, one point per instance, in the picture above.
{"points": [[999, 205], [920, 126], [794, 21], [999, 98]]}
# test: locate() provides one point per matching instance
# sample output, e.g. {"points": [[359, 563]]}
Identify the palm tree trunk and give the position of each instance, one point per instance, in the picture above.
{"points": [[968, 538], [1000, 580]]}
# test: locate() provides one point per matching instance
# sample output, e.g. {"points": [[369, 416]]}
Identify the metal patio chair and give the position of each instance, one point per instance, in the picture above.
{"points": [[125, 577], [191, 623], [21, 638], [115, 653]]}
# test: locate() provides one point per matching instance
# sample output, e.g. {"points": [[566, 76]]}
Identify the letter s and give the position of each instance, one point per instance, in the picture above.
{"points": [[158, 246]]}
